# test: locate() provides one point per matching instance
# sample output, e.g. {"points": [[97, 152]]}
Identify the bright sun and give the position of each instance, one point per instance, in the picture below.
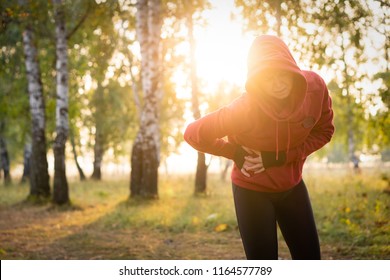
{"points": [[221, 48]]}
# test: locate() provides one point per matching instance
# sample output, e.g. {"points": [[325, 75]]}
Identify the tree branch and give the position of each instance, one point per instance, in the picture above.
{"points": [[383, 3], [77, 26]]}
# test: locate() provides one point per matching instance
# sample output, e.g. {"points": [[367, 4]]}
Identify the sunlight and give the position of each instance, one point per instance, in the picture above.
{"points": [[88, 82], [221, 48]]}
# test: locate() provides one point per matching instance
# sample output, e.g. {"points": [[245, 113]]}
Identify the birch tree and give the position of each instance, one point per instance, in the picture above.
{"points": [[39, 176], [145, 157], [61, 190]]}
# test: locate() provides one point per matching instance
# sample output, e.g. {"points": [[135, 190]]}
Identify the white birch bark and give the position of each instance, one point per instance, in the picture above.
{"points": [[146, 148], [151, 78], [61, 194], [39, 177]]}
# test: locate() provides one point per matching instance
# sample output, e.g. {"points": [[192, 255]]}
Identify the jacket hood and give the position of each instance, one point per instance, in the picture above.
{"points": [[269, 52]]}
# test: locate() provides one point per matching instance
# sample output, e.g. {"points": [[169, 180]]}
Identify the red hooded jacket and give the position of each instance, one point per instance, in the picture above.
{"points": [[285, 134]]}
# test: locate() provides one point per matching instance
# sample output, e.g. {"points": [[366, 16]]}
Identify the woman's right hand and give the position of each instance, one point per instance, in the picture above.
{"points": [[253, 163]]}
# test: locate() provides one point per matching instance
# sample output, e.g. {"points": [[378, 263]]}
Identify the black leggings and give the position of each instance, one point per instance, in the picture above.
{"points": [[257, 214]]}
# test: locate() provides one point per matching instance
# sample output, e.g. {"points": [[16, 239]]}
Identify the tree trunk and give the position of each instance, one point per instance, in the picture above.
{"points": [[39, 176], [226, 166], [26, 163], [74, 152], [201, 168], [4, 161], [98, 154], [99, 147], [145, 158], [350, 115], [61, 190], [201, 174]]}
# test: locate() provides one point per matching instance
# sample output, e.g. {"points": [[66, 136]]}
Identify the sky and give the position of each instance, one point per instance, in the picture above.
{"points": [[221, 46]]}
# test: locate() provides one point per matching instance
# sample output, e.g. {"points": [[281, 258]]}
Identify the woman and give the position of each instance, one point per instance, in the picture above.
{"points": [[284, 116]]}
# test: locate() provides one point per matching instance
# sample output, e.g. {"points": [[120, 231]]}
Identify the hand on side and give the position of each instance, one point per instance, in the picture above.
{"points": [[253, 163]]}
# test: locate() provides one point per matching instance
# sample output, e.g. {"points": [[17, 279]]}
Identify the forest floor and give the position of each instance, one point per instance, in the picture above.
{"points": [[352, 214]]}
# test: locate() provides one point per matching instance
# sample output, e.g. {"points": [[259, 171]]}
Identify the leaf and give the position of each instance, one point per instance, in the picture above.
{"points": [[195, 221], [221, 227]]}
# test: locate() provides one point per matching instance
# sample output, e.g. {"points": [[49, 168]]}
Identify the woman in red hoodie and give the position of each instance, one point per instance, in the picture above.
{"points": [[284, 116]]}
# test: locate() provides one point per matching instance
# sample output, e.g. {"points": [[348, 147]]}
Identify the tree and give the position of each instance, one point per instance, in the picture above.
{"points": [[126, 69], [380, 122], [60, 188], [15, 120], [92, 42], [74, 152], [271, 15], [191, 7], [344, 24], [145, 157], [39, 176], [26, 163], [102, 49], [4, 157]]}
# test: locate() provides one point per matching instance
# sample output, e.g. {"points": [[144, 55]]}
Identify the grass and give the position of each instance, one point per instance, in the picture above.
{"points": [[352, 214]]}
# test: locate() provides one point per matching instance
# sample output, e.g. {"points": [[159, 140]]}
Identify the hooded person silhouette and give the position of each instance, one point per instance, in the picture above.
{"points": [[284, 116]]}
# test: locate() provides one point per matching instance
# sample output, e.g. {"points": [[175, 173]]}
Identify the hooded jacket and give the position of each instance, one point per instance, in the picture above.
{"points": [[285, 132]]}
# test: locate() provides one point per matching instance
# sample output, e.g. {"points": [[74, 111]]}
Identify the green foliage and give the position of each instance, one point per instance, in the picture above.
{"points": [[114, 112], [265, 16], [14, 104], [179, 9], [338, 147], [385, 90], [379, 125]]}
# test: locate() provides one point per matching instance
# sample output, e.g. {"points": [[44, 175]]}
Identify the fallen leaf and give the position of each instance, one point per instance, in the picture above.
{"points": [[221, 227], [195, 221]]}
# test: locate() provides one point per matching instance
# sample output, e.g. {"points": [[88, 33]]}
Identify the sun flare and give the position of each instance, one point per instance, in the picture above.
{"points": [[221, 48]]}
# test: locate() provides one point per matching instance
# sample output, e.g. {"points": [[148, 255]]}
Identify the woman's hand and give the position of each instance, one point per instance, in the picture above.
{"points": [[253, 163]]}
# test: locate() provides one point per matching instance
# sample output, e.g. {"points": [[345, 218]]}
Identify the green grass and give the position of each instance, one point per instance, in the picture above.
{"points": [[352, 215]]}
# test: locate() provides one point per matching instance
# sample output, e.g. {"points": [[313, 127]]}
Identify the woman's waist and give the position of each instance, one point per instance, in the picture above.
{"points": [[274, 179]]}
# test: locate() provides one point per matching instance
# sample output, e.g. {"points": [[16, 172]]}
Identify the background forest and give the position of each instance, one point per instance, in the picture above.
{"points": [[95, 96]]}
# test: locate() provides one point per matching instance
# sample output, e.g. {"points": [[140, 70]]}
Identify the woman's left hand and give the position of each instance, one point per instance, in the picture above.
{"points": [[253, 164]]}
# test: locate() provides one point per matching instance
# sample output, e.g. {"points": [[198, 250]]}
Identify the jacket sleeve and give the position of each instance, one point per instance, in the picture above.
{"points": [[206, 134], [320, 134]]}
